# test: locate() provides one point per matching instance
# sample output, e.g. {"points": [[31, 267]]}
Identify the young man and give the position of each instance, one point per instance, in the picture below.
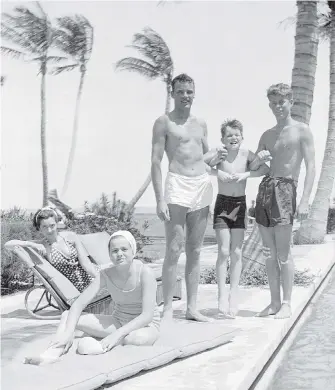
{"points": [[230, 211], [288, 143], [188, 190]]}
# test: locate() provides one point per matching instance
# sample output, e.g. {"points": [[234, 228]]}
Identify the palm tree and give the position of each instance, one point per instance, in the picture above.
{"points": [[30, 36], [157, 64], [74, 38], [313, 230], [305, 60]]}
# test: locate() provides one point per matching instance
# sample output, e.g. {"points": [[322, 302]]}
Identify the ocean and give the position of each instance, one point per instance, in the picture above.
{"points": [[155, 231]]}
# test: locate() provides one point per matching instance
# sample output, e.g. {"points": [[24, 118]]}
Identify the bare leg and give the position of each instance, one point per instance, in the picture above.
{"points": [[196, 223], [272, 270], [223, 240], [174, 232], [283, 244], [237, 236]]}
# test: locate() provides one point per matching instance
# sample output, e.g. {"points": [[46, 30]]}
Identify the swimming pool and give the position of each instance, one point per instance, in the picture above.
{"points": [[310, 362]]}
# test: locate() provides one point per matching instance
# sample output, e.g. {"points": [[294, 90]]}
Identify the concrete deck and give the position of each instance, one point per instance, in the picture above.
{"points": [[233, 366]]}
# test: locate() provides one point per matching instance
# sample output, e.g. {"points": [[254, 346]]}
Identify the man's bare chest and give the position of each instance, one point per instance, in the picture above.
{"points": [[286, 142], [185, 133]]}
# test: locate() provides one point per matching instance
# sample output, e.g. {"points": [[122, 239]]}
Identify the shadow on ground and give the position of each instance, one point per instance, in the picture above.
{"points": [[15, 339]]}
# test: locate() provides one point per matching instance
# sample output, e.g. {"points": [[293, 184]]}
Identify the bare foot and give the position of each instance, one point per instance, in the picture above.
{"points": [[196, 316], [233, 305], [269, 310], [89, 346], [167, 316], [222, 307], [51, 355], [284, 312]]}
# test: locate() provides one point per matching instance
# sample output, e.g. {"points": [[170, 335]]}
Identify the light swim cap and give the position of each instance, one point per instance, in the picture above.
{"points": [[128, 236]]}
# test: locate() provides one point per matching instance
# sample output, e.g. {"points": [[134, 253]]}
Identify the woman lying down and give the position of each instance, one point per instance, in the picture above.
{"points": [[135, 319]]}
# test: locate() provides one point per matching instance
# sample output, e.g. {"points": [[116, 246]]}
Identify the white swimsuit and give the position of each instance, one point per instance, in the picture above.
{"points": [[194, 193]]}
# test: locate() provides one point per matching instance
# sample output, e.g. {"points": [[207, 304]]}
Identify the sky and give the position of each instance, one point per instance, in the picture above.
{"points": [[234, 50]]}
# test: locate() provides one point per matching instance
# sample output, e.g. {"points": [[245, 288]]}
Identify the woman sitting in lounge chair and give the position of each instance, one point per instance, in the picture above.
{"points": [[63, 250], [135, 319]]}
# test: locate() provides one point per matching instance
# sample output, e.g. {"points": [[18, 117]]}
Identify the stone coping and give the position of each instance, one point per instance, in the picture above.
{"points": [[234, 366]]}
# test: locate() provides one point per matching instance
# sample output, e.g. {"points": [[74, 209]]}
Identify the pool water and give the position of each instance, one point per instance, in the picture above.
{"points": [[310, 362]]}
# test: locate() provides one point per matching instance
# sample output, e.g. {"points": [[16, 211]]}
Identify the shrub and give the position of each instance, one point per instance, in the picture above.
{"points": [[255, 277], [331, 221], [15, 224], [107, 216]]}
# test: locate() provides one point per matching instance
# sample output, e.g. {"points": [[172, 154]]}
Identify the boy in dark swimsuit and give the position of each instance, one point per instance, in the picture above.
{"points": [[230, 211]]}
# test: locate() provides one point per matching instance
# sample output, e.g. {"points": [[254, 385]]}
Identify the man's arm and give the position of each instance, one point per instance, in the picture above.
{"points": [[261, 155], [308, 155], [158, 148], [262, 170], [214, 156]]}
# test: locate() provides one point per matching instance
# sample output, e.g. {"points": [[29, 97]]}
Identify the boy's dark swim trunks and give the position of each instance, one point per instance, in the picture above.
{"points": [[276, 201], [229, 212]]}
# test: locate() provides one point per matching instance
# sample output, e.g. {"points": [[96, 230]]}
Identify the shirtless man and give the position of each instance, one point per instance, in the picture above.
{"points": [[188, 191], [288, 143], [229, 220]]}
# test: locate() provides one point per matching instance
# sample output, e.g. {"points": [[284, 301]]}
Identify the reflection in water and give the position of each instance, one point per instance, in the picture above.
{"points": [[310, 362]]}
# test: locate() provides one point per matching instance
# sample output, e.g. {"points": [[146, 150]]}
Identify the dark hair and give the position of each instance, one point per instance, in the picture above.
{"points": [[280, 89], [182, 78], [233, 123], [44, 213]]}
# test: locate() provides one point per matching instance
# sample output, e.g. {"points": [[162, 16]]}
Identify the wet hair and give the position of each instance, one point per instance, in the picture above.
{"points": [[44, 213], [182, 78], [280, 89], [233, 123]]}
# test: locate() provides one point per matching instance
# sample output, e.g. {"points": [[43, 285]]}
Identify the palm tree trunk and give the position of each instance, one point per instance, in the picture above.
{"points": [[147, 182], [43, 138], [168, 98], [74, 135], [305, 60], [313, 230]]}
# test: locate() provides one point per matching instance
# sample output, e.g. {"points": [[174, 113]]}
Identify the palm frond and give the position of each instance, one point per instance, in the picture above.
{"points": [[17, 36], [152, 46], [28, 30], [142, 67], [12, 52], [56, 59], [75, 37], [325, 21], [61, 69]]}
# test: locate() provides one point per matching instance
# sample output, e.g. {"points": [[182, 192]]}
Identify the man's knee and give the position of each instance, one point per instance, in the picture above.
{"points": [[173, 251], [193, 248]]}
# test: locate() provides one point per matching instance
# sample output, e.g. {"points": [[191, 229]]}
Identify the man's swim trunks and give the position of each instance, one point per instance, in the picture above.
{"points": [[276, 201], [229, 212], [194, 193]]}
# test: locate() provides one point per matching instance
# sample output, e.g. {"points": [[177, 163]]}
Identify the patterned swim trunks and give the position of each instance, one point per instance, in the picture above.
{"points": [[276, 201]]}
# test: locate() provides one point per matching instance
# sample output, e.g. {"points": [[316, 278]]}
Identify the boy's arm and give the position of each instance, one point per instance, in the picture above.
{"points": [[308, 155]]}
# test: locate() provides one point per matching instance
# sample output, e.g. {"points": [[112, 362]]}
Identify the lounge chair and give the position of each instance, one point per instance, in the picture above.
{"points": [[57, 292]]}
